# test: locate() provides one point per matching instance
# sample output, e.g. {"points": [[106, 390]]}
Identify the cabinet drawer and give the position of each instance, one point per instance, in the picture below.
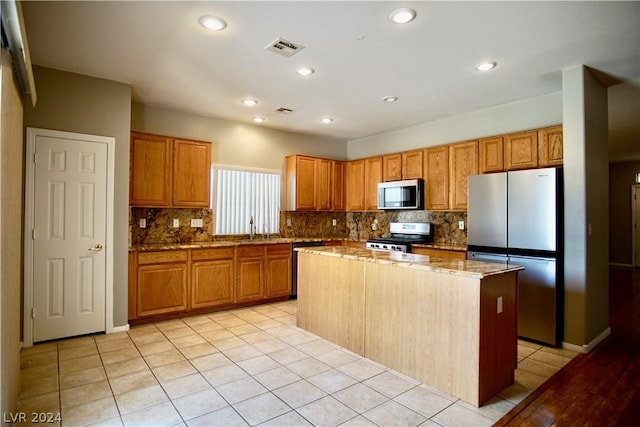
{"points": [[250, 251], [279, 248], [161, 256], [211, 254]]}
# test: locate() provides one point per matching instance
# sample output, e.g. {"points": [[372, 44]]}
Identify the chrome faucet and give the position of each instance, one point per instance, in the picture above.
{"points": [[252, 228], [265, 232]]}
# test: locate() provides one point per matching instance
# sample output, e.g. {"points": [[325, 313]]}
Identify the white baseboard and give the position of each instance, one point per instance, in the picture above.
{"points": [[116, 329], [590, 346]]}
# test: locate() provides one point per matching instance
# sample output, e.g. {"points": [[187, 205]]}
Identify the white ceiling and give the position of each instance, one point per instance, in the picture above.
{"points": [[358, 54]]}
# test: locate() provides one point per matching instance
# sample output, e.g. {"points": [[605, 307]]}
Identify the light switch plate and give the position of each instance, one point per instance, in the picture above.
{"points": [[196, 222], [143, 223], [461, 225], [288, 222], [335, 222], [176, 223]]}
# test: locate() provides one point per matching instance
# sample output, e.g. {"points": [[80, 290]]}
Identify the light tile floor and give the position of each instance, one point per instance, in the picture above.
{"points": [[249, 366]]}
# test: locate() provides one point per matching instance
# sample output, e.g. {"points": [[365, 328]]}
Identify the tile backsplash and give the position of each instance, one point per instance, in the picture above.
{"points": [[353, 225]]}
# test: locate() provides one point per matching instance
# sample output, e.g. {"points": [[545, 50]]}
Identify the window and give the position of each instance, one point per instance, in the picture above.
{"points": [[240, 194]]}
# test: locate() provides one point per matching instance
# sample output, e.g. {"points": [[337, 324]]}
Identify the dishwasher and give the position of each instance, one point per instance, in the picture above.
{"points": [[294, 265]]}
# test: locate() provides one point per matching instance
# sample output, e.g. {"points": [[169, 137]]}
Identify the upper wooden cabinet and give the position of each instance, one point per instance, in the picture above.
{"points": [[191, 173], [407, 165], [169, 172], [521, 150], [354, 185], [337, 185], [464, 162], [372, 176], [150, 165], [436, 167], [392, 167], [412, 164], [491, 154], [311, 184], [550, 146]]}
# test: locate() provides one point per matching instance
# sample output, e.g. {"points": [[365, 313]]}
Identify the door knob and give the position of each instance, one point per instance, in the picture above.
{"points": [[96, 248]]}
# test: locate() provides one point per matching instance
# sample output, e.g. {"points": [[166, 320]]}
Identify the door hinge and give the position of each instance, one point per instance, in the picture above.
{"points": [[33, 234], [33, 313], [35, 158]]}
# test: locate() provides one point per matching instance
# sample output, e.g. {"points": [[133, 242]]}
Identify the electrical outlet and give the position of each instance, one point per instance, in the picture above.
{"points": [[335, 222], [374, 226], [288, 222], [143, 223], [499, 305], [176, 223], [461, 225], [196, 222]]}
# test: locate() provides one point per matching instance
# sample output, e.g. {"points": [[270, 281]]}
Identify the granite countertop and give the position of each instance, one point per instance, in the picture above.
{"points": [[478, 269], [226, 243], [444, 246]]}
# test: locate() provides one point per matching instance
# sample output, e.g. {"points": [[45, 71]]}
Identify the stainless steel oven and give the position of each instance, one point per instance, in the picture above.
{"points": [[403, 234]]}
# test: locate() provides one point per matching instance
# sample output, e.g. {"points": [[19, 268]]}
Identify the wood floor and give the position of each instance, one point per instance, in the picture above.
{"points": [[601, 388]]}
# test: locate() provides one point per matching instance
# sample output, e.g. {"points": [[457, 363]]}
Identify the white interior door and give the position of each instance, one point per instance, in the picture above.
{"points": [[69, 235]]}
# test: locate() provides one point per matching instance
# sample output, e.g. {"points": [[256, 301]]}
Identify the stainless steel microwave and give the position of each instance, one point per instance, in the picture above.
{"points": [[408, 194]]}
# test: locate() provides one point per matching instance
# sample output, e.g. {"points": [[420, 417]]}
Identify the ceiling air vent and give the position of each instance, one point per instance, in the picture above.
{"points": [[284, 47], [284, 110]]}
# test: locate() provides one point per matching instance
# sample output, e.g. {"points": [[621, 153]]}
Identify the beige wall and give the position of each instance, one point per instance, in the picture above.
{"points": [[521, 115], [11, 206], [586, 190], [235, 143], [76, 103], [622, 176]]}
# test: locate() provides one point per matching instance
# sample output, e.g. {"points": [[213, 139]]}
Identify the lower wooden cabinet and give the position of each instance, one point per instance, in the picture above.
{"points": [[442, 253], [250, 273], [181, 281], [278, 271], [162, 283], [212, 277]]}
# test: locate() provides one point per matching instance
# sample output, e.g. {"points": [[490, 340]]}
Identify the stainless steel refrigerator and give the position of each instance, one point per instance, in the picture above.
{"points": [[516, 218]]}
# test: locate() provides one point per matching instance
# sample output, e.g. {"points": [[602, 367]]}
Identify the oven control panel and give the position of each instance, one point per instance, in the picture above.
{"points": [[375, 246]]}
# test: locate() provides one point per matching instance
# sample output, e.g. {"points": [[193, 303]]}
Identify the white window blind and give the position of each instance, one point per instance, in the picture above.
{"points": [[241, 194]]}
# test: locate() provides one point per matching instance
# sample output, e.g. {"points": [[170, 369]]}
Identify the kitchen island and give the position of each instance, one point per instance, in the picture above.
{"points": [[451, 324]]}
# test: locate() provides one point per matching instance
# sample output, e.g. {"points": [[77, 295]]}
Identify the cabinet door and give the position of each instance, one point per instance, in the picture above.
{"points": [[132, 285], [412, 164], [250, 273], [278, 266], [323, 184], [491, 155], [212, 283], [550, 147], [150, 170], [373, 175], [162, 289], [521, 150], [337, 186], [354, 188], [436, 165], [191, 173], [305, 183], [392, 167], [464, 162]]}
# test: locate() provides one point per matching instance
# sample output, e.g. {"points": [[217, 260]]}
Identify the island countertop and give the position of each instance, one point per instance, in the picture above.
{"points": [[469, 268]]}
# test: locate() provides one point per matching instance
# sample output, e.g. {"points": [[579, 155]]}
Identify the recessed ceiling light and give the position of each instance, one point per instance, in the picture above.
{"points": [[305, 71], [402, 15], [326, 120], [389, 98], [213, 23], [485, 66], [249, 102], [258, 119]]}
